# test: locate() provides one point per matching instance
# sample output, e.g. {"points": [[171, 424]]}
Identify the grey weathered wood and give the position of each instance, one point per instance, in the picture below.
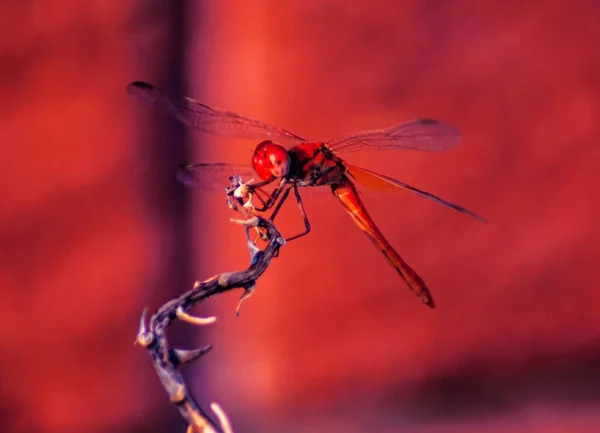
{"points": [[154, 339]]}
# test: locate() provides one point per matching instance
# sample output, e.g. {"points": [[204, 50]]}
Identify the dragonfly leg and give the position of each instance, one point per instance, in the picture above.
{"points": [[306, 221], [276, 210], [260, 195], [272, 197], [262, 232], [267, 200]]}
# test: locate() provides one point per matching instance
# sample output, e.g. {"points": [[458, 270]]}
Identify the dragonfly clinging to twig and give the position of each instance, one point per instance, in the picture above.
{"points": [[306, 163]]}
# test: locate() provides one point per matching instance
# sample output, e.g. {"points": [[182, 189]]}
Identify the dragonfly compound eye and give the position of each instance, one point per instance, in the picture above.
{"points": [[270, 160]]}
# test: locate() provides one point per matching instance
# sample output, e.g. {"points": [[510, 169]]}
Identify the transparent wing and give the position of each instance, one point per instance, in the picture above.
{"points": [[422, 134], [195, 114], [213, 177], [381, 182]]}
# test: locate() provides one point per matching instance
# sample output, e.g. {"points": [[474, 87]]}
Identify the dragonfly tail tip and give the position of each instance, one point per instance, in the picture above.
{"points": [[427, 299]]}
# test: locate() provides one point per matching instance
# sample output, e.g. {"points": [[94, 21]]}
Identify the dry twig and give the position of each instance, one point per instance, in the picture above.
{"points": [[153, 338]]}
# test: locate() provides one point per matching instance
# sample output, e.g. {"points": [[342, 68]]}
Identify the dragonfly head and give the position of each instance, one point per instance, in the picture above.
{"points": [[270, 160]]}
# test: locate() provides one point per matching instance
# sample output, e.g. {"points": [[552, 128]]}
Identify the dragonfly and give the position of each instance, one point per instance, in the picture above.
{"points": [[292, 163]]}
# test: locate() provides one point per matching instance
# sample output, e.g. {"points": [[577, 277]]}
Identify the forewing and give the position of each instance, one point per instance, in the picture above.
{"points": [[381, 182], [429, 135], [213, 177], [200, 116]]}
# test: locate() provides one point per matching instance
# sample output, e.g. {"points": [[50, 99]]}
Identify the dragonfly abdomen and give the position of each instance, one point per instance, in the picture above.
{"points": [[348, 196]]}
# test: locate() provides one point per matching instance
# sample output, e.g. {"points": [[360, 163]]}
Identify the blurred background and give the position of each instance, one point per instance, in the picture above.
{"points": [[94, 227]]}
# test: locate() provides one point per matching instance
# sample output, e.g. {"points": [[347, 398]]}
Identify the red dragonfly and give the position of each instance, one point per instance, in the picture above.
{"points": [[306, 163]]}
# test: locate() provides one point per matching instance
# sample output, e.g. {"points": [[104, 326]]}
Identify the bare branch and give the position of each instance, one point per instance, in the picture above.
{"points": [[154, 339]]}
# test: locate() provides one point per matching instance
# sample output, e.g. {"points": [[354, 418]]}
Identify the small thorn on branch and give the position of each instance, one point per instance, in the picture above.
{"points": [[194, 320], [144, 338], [183, 356], [222, 416], [248, 292], [251, 222]]}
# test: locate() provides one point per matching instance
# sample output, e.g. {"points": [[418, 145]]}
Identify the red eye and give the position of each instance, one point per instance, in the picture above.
{"points": [[266, 155]]}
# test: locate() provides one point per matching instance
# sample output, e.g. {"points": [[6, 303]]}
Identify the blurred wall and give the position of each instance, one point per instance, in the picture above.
{"points": [[333, 339], [88, 217], [93, 226]]}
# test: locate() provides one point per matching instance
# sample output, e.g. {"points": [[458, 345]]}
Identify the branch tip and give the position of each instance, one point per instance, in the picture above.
{"points": [[142, 327], [144, 338]]}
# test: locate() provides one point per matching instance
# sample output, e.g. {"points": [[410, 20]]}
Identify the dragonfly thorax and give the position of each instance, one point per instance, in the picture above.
{"points": [[270, 160]]}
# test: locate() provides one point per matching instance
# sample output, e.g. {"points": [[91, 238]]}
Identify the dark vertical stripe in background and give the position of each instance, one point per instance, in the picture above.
{"points": [[94, 226], [171, 150]]}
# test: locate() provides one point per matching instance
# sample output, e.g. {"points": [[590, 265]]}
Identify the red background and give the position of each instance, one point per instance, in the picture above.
{"points": [[93, 226]]}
